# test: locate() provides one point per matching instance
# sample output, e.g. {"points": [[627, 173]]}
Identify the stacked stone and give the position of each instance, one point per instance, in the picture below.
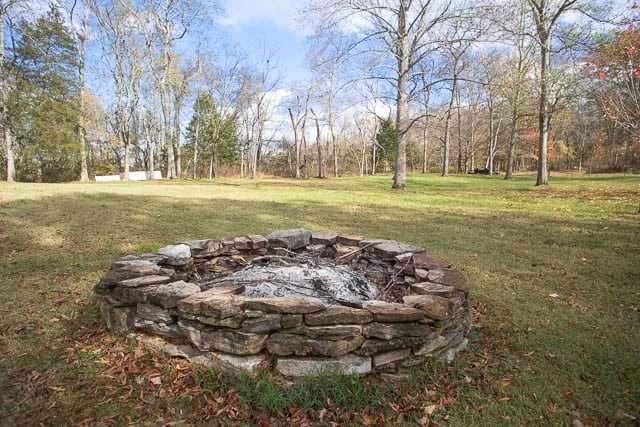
{"points": [[159, 295]]}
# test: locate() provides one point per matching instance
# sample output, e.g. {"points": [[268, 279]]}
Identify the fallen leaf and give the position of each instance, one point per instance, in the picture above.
{"points": [[429, 410]]}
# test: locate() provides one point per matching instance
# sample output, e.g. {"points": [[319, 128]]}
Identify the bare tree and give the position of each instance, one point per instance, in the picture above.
{"points": [[122, 48], [401, 29], [6, 134], [82, 33], [546, 14]]}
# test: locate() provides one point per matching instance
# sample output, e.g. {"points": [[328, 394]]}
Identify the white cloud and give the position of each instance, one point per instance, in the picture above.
{"points": [[240, 13]]}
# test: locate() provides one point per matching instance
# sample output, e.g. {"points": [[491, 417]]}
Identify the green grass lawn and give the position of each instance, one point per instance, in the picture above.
{"points": [[554, 275]]}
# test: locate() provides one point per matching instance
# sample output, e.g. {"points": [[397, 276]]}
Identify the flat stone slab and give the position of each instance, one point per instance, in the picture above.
{"points": [[193, 303], [449, 276], [346, 365], [138, 282], [424, 260], [169, 294], [392, 312], [299, 345], [292, 239], [337, 314], [373, 346], [429, 288], [286, 305], [434, 306], [323, 238], [387, 331], [390, 249], [175, 251], [238, 343]]}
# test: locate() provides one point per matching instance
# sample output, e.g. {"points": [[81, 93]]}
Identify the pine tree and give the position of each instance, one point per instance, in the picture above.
{"points": [[43, 106]]}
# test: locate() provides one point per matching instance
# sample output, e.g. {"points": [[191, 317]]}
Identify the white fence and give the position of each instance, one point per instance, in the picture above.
{"points": [[133, 176]]}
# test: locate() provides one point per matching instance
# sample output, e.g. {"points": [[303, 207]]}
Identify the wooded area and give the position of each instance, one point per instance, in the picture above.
{"points": [[395, 86]]}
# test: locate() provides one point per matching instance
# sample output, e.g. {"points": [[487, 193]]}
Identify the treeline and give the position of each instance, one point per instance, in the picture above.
{"points": [[406, 86]]}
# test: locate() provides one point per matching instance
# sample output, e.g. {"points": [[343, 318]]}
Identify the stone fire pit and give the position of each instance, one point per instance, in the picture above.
{"points": [[296, 301]]}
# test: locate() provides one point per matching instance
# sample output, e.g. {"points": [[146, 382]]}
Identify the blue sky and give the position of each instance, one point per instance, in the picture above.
{"points": [[254, 25]]}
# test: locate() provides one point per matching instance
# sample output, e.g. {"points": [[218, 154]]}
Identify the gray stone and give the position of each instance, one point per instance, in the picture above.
{"points": [[429, 288], [211, 303], [285, 305], [138, 282], [387, 331], [227, 322], [291, 320], [345, 252], [369, 243], [332, 333], [233, 342], [126, 268], [390, 357], [242, 243], [193, 332], [120, 320], [373, 346], [169, 294], [347, 240], [266, 323], [222, 306], [392, 312], [153, 313], [166, 348], [421, 273], [403, 259], [390, 249], [316, 249], [258, 241], [325, 238], [203, 248], [449, 276], [230, 362], [432, 345], [434, 306], [132, 296], [290, 344], [292, 239], [175, 251], [163, 329], [345, 365], [428, 262], [335, 314]]}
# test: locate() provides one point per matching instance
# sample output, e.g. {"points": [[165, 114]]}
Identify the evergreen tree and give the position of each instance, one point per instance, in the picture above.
{"points": [[211, 137], [43, 106], [385, 138]]}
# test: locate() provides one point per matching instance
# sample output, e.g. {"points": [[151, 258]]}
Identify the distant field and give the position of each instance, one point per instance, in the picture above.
{"points": [[554, 275]]}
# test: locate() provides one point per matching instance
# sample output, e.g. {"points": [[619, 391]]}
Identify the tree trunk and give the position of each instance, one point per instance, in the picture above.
{"points": [[543, 116], [425, 145], [4, 121], [512, 144], [195, 148], [11, 166], [402, 98], [80, 129], [296, 140], [447, 128], [176, 133], [321, 173]]}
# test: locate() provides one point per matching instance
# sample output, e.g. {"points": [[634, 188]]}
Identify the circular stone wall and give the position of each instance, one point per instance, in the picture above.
{"points": [[297, 301]]}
